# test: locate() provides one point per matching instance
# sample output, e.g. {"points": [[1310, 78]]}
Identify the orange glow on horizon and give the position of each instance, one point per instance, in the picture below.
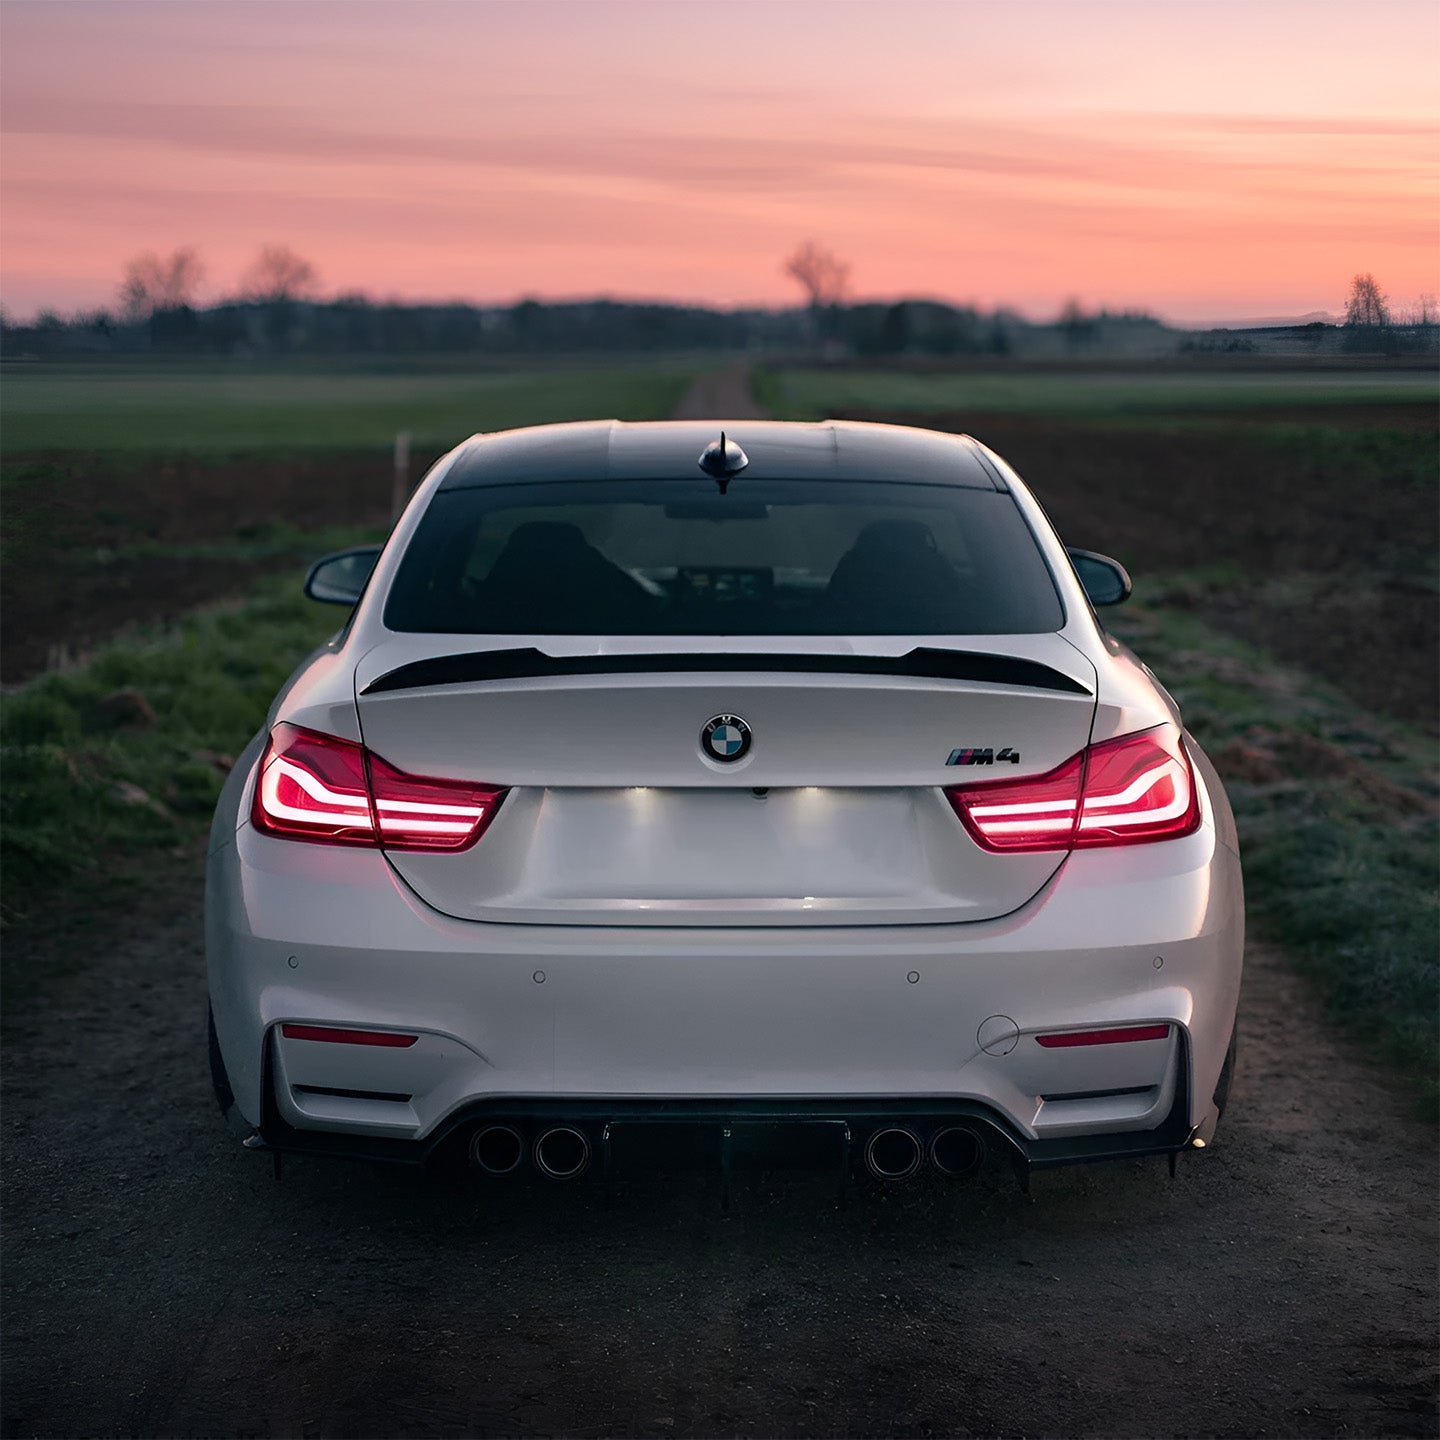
{"points": [[1202, 161]]}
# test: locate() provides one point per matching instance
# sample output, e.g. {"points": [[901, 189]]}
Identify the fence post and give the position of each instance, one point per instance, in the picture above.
{"points": [[400, 486]]}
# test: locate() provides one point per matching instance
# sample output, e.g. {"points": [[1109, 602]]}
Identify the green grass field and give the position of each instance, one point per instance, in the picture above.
{"points": [[215, 409], [803, 394], [211, 409]]}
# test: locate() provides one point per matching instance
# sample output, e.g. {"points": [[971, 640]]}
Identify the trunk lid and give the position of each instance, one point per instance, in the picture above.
{"points": [[619, 814]]}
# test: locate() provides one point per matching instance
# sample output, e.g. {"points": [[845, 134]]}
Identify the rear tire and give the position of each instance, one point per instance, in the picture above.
{"points": [[1227, 1072], [219, 1078]]}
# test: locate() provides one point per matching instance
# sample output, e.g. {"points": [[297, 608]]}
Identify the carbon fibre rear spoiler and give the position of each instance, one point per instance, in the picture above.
{"points": [[924, 662]]}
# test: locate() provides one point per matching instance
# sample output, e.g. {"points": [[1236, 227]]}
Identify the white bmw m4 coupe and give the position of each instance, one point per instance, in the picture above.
{"points": [[783, 777]]}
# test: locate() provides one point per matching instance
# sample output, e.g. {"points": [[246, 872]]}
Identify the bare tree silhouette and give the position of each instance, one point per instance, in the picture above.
{"points": [[1423, 312], [822, 274], [152, 283], [1367, 305], [276, 275]]}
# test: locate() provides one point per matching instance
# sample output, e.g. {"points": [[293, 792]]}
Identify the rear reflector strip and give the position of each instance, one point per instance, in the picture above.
{"points": [[1085, 1094], [1068, 1038], [389, 1096], [387, 1038]]}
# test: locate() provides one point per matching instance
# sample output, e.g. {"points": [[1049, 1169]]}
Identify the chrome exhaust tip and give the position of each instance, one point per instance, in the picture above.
{"points": [[562, 1153], [957, 1151], [893, 1153], [497, 1149]]}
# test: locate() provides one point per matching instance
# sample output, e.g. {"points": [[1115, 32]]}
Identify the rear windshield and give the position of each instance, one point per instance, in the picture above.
{"points": [[676, 557]]}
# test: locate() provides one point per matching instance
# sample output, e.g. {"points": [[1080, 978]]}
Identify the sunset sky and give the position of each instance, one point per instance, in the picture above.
{"points": [[1205, 160]]}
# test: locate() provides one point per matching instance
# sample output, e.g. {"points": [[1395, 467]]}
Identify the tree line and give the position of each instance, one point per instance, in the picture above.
{"points": [[355, 325], [276, 309]]}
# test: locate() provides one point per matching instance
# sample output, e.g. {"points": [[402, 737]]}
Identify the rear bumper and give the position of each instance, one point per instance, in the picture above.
{"points": [[853, 1120], [609, 1023]]}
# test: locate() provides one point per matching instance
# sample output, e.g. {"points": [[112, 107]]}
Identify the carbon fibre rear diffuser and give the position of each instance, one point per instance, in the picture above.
{"points": [[848, 1116]]}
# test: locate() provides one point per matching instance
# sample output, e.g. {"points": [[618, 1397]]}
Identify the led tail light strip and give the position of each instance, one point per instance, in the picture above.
{"points": [[326, 790], [1135, 789]]}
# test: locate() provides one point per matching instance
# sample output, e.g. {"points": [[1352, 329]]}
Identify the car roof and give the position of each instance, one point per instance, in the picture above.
{"points": [[670, 449]]}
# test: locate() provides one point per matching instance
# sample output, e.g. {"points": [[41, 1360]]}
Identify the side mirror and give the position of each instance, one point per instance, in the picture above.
{"points": [[1105, 580], [339, 579]]}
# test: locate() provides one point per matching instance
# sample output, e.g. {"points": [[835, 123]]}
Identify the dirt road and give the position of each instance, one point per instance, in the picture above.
{"points": [[720, 395], [159, 1282]]}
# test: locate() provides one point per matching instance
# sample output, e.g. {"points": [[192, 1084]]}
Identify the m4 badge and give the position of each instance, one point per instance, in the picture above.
{"points": [[983, 757]]}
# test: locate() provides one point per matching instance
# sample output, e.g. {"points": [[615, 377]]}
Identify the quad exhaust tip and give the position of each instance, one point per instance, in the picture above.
{"points": [[562, 1153], [497, 1149], [894, 1153], [957, 1151]]}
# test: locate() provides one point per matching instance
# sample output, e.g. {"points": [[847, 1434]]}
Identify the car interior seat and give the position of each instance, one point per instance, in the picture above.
{"points": [[549, 576], [894, 576]]}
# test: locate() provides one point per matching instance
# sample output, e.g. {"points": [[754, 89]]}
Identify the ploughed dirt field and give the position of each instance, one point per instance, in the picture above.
{"points": [[1327, 563], [94, 545], [1324, 548], [159, 1281]]}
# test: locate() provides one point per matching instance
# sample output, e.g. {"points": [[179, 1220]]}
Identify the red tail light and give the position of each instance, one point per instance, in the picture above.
{"points": [[422, 814], [1036, 814], [1120, 792], [330, 791]]}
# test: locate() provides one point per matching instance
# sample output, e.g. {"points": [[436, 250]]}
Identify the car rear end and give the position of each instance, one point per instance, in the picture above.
{"points": [[813, 798]]}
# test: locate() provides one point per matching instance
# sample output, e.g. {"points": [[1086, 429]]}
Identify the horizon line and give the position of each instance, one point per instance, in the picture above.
{"points": [[1262, 320]]}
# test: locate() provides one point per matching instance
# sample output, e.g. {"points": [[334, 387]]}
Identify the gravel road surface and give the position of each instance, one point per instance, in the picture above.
{"points": [[158, 1281]]}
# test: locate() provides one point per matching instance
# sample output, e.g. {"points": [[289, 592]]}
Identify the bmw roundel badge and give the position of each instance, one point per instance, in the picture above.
{"points": [[725, 737]]}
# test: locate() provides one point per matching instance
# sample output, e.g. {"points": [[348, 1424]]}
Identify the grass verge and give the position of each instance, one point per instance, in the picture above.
{"points": [[1337, 813], [128, 753]]}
